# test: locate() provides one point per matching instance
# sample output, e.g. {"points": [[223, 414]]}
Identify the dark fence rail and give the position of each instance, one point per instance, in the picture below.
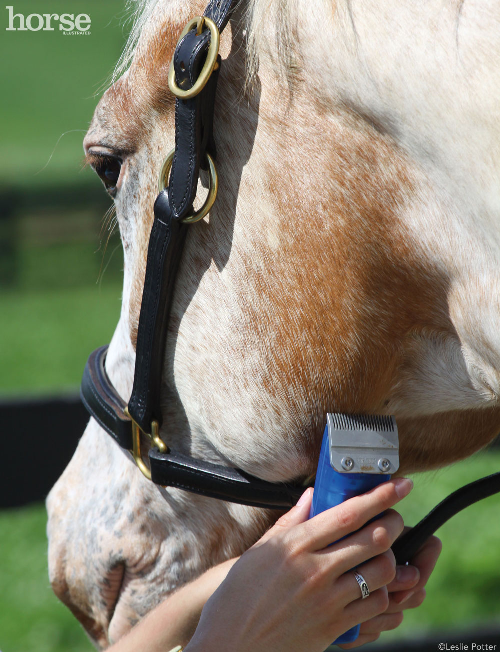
{"points": [[48, 218], [39, 437]]}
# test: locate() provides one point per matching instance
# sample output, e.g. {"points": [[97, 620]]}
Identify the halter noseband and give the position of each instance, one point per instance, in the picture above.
{"points": [[193, 79]]}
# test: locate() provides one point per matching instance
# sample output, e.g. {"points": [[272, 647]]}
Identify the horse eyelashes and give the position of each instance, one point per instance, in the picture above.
{"points": [[108, 169]]}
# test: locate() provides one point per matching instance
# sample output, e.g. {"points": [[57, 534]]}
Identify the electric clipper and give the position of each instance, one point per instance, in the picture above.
{"points": [[358, 453]]}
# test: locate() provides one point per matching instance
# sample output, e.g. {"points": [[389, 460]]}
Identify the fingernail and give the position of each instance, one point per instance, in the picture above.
{"points": [[304, 498], [403, 486], [406, 574]]}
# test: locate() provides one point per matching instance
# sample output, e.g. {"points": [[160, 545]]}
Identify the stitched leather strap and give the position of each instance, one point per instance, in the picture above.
{"points": [[103, 401], [217, 481], [164, 254], [173, 469], [193, 134], [220, 11]]}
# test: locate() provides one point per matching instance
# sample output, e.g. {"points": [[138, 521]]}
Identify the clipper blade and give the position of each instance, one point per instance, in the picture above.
{"points": [[362, 443]]}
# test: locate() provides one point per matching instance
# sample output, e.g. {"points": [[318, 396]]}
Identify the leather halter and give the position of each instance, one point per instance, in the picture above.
{"points": [[142, 416], [194, 81]]}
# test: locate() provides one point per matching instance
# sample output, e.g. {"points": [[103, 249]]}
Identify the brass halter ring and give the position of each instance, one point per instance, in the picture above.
{"points": [[195, 216], [210, 62]]}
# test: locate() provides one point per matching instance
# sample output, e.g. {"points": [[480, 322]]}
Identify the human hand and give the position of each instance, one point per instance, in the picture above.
{"points": [[406, 591], [293, 591]]}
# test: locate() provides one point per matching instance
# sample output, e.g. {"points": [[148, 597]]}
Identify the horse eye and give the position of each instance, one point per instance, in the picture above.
{"points": [[108, 169]]}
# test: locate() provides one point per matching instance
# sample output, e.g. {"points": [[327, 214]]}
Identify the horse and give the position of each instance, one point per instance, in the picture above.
{"points": [[349, 264]]}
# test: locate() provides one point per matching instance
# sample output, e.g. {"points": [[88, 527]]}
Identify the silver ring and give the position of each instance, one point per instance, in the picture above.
{"points": [[365, 591]]}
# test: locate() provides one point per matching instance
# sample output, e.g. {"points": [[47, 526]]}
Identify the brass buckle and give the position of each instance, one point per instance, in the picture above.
{"points": [[212, 187], [210, 62], [154, 437]]}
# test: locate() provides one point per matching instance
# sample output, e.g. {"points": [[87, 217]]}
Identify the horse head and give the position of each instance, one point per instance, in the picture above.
{"points": [[349, 264]]}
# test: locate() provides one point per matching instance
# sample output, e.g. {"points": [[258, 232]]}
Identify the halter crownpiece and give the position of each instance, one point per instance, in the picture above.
{"points": [[193, 79]]}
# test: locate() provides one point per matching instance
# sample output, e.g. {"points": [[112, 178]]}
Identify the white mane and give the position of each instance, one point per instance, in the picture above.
{"points": [[260, 18], [138, 13]]}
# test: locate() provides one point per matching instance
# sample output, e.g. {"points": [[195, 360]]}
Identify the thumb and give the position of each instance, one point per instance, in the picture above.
{"points": [[296, 515]]}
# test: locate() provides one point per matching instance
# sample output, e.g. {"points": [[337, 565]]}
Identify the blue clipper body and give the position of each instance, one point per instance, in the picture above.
{"points": [[357, 453]]}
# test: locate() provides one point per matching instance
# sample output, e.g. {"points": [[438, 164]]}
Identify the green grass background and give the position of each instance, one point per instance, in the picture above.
{"points": [[49, 82], [59, 305], [60, 289]]}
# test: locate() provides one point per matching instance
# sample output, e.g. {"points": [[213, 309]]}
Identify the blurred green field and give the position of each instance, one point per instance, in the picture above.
{"points": [[51, 334], [60, 286], [31, 618], [464, 588], [61, 302], [49, 84], [59, 289]]}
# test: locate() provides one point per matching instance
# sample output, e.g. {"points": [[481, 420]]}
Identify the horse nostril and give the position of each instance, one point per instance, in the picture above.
{"points": [[112, 587]]}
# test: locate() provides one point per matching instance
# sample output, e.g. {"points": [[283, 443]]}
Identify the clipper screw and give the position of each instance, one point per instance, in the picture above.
{"points": [[384, 464], [347, 463]]}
